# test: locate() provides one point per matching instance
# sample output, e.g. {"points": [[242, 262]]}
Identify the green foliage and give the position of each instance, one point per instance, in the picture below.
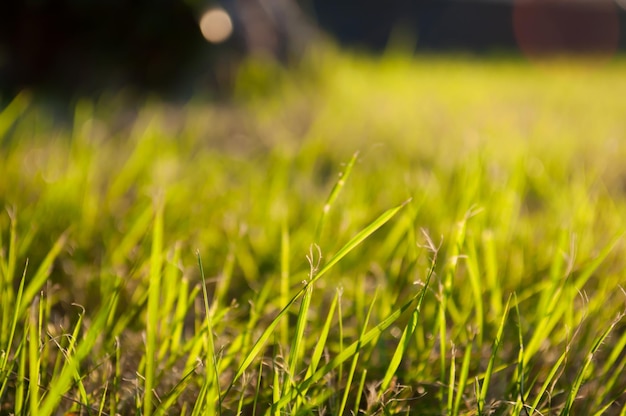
{"points": [[392, 236]]}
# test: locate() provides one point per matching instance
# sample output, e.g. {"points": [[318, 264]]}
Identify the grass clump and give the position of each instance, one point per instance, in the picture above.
{"points": [[395, 236]]}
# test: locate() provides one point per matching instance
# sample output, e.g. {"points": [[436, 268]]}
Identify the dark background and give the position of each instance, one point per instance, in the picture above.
{"points": [[67, 48]]}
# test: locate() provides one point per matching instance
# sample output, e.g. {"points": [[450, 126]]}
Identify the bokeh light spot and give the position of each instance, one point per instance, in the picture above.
{"points": [[216, 25], [548, 28]]}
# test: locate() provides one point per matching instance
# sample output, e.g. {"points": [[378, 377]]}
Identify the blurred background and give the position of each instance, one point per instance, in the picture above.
{"points": [[177, 49]]}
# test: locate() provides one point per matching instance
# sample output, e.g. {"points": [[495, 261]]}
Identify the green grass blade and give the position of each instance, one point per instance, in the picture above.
{"points": [[352, 349], [355, 241], [42, 273], [334, 193], [490, 367], [492, 276], [4, 368], [276, 388], [520, 372], [582, 372], [445, 292], [83, 350], [463, 377], [7, 295], [355, 358], [320, 345], [593, 265], [407, 334], [301, 320], [285, 257], [298, 339], [477, 288], [21, 380], [359, 393], [140, 227], [212, 375], [548, 380], [323, 336], [34, 363], [451, 380], [359, 238], [153, 313], [604, 410], [257, 390]]}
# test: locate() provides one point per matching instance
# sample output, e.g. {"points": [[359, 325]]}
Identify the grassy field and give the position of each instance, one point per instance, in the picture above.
{"points": [[358, 236]]}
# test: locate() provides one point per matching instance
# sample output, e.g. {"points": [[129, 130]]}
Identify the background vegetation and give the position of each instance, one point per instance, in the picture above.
{"points": [[394, 236]]}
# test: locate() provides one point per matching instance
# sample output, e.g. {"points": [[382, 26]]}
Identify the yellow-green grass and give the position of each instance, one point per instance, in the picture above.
{"points": [[430, 235]]}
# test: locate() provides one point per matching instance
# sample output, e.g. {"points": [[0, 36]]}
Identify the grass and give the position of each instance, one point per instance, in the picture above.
{"points": [[437, 235]]}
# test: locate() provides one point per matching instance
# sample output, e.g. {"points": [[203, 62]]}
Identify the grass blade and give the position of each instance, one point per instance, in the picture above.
{"points": [[34, 363], [212, 376], [494, 351], [463, 377], [355, 241], [355, 358], [582, 372], [285, 257], [334, 193], [153, 313], [63, 382], [352, 349], [407, 334], [42, 273], [359, 393]]}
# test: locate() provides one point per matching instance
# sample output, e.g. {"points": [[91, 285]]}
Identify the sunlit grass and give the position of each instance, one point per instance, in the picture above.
{"points": [[377, 236]]}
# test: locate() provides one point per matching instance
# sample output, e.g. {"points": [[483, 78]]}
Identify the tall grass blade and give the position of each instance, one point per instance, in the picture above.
{"points": [[153, 313], [34, 363], [444, 295], [359, 393], [352, 349], [319, 346], [21, 380], [285, 257], [334, 193], [583, 370], [323, 336], [451, 379], [593, 265], [463, 377], [83, 350], [42, 273], [520, 372], [407, 334], [5, 370], [212, 375], [7, 294], [355, 358], [298, 339], [355, 241], [494, 352]]}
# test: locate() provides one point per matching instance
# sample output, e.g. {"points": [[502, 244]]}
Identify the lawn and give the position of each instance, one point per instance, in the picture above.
{"points": [[358, 235]]}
